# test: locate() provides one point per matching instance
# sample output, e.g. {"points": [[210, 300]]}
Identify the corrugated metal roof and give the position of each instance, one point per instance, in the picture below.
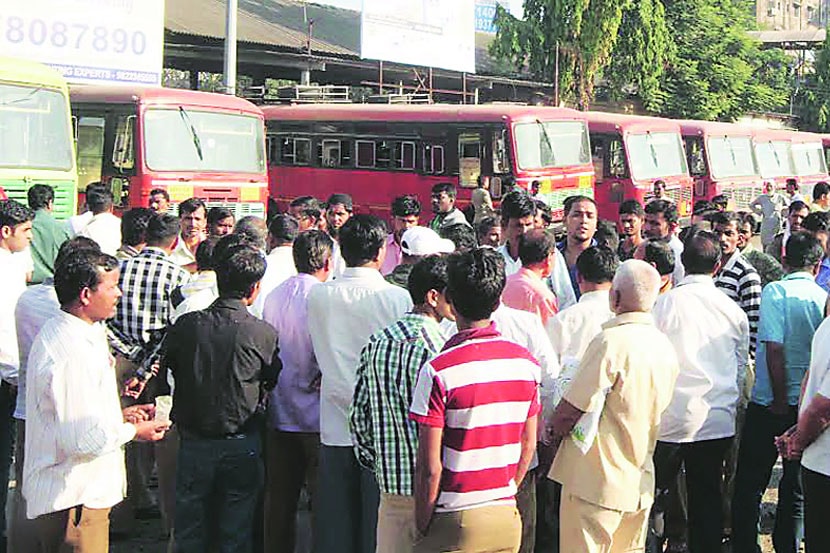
{"points": [[206, 18]]}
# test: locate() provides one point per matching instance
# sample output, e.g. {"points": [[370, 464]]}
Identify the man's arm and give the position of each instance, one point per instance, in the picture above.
{"points": [[528, 447], [778, 377], [750, 302], [360, 421], [564, 419], [428, 471], [812, 422]]}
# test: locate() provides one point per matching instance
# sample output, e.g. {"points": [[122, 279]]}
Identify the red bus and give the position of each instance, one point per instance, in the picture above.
{"points": [[378, 152], [808, 161], [192, 144], [721, 161], [773, 155], [630, 153]]}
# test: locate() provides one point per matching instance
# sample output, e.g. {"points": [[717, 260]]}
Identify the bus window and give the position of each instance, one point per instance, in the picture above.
{"points": [[335, 153], [500, 162], [405, 155], [694, 156], [469, 159], [296, 151], [90, 149], [433, 159], [384, 156], [616, 159], [365, 153], [123, 151]]}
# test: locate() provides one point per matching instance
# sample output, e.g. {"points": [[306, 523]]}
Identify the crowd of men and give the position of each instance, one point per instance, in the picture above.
{"points": [[469, 384]]}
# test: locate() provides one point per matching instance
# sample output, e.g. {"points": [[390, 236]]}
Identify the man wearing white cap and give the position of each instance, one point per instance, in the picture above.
{"points": [[417, 243]]}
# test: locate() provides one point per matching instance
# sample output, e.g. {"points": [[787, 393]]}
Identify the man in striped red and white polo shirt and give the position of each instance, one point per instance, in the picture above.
{"points": [[476, 404]]}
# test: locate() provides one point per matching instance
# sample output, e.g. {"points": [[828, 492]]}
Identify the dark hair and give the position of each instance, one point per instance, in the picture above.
{"points": [[607, 234], [791, 181], [701, 253], [229, 242], [216, 214], [535, 246], [803, 250], [463, 236], [659, 252], [308, 206], [475, 281], [570, 201], [517, 204], [597, 264], [429, 273], [284, 229], [39, 196], [817, 221], [632, 207], [190, 205], [255, 229], [545, 211], [703, 207], [161, 191], [726, 218], [361, 238], [74, 245], [162, 229], [447, 187], [484, 226], [99, 198], [13, 213], [820, 189], [343, 199], [238, 270], [134, 225], [404, 206], [747, 218], [204, 253], [81, 270], [310, 251], [797, 205], [720, 201], [667, 208]]}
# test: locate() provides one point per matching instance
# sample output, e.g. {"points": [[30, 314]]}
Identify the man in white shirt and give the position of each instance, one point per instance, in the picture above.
{"points": [[104, 227], [282, 230], [517, 217], [342, 315], [662, 222], [710, 334], [193, 223], [15, 236], [74, 461]]}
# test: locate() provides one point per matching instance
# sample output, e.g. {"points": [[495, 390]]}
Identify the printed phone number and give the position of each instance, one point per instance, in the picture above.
{"points": [[79, 36]]}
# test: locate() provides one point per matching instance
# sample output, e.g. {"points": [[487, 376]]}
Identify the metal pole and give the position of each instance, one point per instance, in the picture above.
{"points": [[380, 76], [230, 48], [556, 78]]}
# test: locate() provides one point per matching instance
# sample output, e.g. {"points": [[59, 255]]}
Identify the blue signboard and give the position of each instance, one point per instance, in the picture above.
{"points": [[485, 12]]}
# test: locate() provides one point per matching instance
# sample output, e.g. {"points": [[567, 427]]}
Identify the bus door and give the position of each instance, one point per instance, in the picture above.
{"points": [[613, 182], [483, 155], [696, 160]]}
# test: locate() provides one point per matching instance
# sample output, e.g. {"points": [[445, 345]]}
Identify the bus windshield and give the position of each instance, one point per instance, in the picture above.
{"points": [[808, 159], [774, 158], [191, 140], [730, 156], [34, 128], [656, 154], [546, 144]]}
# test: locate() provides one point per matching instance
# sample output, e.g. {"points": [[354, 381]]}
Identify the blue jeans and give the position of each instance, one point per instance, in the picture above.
{"points": [[218, 483], [756, 458], [346, 505]]}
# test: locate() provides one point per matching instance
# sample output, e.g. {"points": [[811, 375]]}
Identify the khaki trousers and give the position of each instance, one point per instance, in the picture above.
{"points": [[75, 530], [396, 523], [589, 528], [496, 529]]}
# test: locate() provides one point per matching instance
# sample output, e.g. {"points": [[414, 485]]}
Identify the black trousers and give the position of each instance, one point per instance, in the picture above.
{"points": [[704, 475], [816, 488]]}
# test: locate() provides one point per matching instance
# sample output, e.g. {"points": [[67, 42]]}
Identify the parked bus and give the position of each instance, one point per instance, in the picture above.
{"points": [[192, 144], [721, 161], [378, 152], [773, 154], [809, 163], [36, 133], [630, 153]]}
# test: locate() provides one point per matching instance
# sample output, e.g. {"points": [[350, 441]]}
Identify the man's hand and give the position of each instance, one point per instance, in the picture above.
{"points": [[779, 407], [134, 387], [150, 431], [139, 413]]}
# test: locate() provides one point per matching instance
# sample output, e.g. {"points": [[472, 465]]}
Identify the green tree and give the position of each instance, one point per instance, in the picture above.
{"points": [[814, 101]]}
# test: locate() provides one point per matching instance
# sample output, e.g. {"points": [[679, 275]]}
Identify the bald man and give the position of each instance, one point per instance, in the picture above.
{"points": [[607, 490]]}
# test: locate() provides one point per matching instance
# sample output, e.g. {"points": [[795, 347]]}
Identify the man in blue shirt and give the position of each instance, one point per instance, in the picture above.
{"points": [[817, 223], [791, 310]]}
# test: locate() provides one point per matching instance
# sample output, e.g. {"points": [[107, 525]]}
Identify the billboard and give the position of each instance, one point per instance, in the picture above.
{"points": [[88, 41], [486, 11], [429, 33]]}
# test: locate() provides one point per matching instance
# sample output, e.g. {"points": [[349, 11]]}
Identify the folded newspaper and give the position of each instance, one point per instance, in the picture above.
{"points": [[585, 430]]}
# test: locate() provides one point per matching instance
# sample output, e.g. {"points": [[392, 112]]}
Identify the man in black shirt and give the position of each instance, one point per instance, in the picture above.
{"points": [[224, 360]]}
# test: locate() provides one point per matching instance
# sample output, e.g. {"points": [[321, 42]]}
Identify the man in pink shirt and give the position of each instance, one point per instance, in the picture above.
{"points": [[526, 289], [406, 211]]}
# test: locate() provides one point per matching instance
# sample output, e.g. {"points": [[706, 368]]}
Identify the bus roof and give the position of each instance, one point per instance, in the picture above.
{"points": [[158, 96], [602, 122], [419, 113], [690, 127], [29, 72]]}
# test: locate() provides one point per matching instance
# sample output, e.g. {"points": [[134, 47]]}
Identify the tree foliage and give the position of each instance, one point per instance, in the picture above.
{"points": [[814, 100]]}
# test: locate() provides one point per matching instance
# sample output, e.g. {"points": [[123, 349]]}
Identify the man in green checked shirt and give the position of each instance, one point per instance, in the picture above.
{"points": [[386, 440]]}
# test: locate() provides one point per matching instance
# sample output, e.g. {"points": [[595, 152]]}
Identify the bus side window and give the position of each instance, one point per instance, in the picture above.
{"points": [[330, 153], [405, 155], [365, 154], [90, 149], [500, 161], [433, 159], [694, 157], [123, 152], [598, 158], [469, 159], [295, 151], [616, 158], [384, 155]]}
